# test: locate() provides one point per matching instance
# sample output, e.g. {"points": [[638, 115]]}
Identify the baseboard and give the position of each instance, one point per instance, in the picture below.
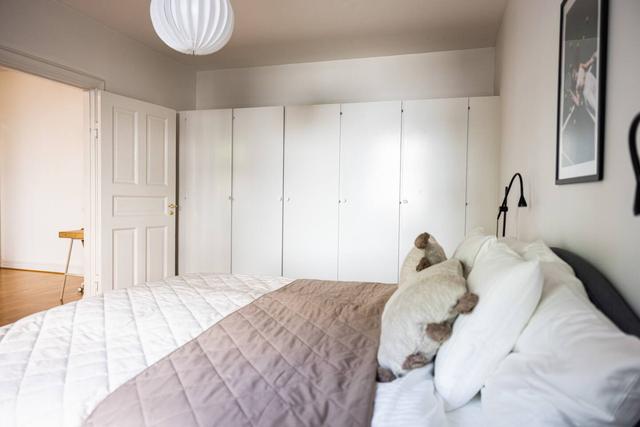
{"points": [[74, 270]]}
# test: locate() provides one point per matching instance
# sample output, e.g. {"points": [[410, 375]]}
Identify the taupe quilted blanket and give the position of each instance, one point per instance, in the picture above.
{"points": [[304, 355]]}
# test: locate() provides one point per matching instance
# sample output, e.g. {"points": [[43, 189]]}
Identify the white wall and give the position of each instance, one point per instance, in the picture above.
{"points": [[41, 171], [420, 76], [53, 31], [594, 220]]}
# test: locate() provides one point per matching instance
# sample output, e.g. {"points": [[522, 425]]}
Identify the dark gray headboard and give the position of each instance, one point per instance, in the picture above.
{"points": [[602, 293]]}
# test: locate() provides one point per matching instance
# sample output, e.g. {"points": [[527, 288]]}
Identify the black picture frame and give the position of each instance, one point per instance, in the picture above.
{"points": [[579, 132]]}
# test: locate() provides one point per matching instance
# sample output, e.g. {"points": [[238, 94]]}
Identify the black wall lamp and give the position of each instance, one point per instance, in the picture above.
{"points": [[504, 208], [633, 146]]}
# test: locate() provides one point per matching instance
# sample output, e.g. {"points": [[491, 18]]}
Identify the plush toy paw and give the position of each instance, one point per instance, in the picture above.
{"points": [[423, 264], [422, 241], [439, 332], [466, 303], [385, 375], [414, 361]]}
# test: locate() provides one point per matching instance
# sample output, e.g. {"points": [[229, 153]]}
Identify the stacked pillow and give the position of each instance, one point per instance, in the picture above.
{"points": [[509, 289], [535, 346], [570, 365], [471, 248]]}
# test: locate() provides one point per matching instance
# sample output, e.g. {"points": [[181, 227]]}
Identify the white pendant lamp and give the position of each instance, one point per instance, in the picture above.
{"points": [[194, 27]]}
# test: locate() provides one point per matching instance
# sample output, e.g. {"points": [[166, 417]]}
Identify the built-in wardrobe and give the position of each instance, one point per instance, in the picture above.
{"points": [[334, 191]]}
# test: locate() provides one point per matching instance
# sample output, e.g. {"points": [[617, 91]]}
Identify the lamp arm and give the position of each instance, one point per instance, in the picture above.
{"points": [[506, 194], [635, 160], [504, 208]]}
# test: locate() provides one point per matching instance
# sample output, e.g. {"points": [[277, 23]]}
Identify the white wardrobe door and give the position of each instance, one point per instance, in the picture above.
{"points": [[434, 157], [483, 192], [257, 191], [311, 189], [204, 222], [370, 184]]}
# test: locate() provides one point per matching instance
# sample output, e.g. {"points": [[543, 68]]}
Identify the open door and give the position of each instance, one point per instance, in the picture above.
{"points": [[132, 164]]}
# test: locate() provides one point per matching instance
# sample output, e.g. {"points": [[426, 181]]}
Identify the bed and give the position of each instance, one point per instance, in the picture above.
{"points": [[59, 365]]}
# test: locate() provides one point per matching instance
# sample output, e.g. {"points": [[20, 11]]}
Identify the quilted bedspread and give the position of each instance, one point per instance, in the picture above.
{"points": [[56, 366], [304, 355]]}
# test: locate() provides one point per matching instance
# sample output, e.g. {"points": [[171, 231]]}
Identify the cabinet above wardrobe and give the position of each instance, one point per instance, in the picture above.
{"points": [[333, 191]]}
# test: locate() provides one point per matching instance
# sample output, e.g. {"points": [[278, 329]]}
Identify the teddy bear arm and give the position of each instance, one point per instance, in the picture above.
{"points": [[385, 375], [415, 361], [466, 303], [439, 332]]}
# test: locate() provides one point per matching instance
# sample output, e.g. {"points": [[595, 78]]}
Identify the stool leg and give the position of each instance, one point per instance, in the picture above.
{"points": [[66, 270]]}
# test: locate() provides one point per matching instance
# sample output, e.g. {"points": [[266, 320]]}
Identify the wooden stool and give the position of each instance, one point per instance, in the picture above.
{"points": [[71, 235]]}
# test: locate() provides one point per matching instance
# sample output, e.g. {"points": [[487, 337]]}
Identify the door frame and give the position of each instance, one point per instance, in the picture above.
{"points": [[92, 171]]}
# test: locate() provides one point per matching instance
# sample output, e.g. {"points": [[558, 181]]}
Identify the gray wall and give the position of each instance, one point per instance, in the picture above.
{"points": [[51, 30], [594, 220], [427, 75]]}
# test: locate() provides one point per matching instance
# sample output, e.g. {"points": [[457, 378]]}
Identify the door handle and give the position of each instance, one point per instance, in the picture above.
{"points": [[172, 207]]}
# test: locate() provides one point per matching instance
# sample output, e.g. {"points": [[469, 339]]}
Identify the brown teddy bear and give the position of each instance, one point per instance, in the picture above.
{"points": [[419, 316]]}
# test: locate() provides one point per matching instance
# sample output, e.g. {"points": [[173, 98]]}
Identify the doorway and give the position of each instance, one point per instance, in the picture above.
{"points": [[128, 181], [42, 143]]}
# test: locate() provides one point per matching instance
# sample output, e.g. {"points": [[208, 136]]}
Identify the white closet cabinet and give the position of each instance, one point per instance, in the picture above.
{"points": [[369, 187], [484, 163], [334, 191], [204, 232], [434, 172], [311, 191], [257, 191]]}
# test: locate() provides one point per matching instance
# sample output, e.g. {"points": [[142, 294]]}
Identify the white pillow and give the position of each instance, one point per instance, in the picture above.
{"points": [[471, 247], [571, 365], [509, 290]]}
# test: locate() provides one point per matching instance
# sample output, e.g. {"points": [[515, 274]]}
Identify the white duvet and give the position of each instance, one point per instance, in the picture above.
{"points": [[57, 365]]}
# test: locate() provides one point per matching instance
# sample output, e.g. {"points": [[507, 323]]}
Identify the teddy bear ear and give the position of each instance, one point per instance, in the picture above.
{"points": [[423, 264], [422, 240]]}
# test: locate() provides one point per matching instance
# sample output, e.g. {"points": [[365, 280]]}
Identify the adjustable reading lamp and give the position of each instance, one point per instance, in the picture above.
{"points": [[633, 146], [504, 208]]}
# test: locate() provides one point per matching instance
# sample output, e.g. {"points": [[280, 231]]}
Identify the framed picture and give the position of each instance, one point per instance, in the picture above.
{"points": [[581, 91]]}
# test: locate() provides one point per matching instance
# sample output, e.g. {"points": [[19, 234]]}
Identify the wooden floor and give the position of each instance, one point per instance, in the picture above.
{"points": [[27, 292]]}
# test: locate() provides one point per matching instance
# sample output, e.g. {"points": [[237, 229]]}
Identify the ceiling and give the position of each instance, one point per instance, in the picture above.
{"points": [[269, 32]]}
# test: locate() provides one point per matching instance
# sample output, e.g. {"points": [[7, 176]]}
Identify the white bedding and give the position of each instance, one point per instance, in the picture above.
{"points": [[57, 365], [413, 401]]}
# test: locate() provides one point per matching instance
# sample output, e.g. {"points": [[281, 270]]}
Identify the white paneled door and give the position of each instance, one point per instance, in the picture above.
{"points": [[434, 164], [204, 221], [137, 188], [257, 191], [311, 190], [370, 186]]}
